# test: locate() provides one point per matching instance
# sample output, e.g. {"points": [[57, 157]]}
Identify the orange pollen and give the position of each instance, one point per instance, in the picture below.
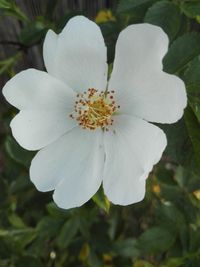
{"points": [[94, 109]]}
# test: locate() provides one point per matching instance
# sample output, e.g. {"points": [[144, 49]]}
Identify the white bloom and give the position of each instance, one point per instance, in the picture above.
{"points": [[87, 137]]}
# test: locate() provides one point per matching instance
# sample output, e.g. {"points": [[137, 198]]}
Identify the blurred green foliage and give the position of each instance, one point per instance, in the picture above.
{"points": [[161, 231]]}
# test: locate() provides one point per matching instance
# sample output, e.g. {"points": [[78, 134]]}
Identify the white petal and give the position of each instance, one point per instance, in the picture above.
{"points": [[72, 166], [80, 55], [49, 48], [33, 89], [139, 47], [34, 129], [132, 147], [159, 97], [142, 89]]}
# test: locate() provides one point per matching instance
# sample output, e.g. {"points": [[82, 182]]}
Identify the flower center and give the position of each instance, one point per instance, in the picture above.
{"points": [[94, 109]]}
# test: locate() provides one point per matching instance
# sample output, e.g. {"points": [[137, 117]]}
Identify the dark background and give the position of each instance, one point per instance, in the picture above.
{"points": [[161, 231]]}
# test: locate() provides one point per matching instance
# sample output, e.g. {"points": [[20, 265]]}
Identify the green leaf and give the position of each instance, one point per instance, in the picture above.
{"points": [[56, 212], [130, 5], [5, 4], [24, 237], [6, 65], [126, 248], [180, 52], [166, 219], [192, 78], [141, 263], [4, 188], [10, 8], [20, 237], [68, 232], [171, 193], [4, 233], [16, 221], [155, 240], [198, 19], [93, 259], [28, 261], [133, 11], [165, 176], [101, 200], [49, 227], [33, 33], [187, 180], [191, 8], [193, 183], [194, 239], [5, 249], [174, 262], [192, 81], [109, 28], [179, 148], [193, 128], [17, 153], [166, 15]]}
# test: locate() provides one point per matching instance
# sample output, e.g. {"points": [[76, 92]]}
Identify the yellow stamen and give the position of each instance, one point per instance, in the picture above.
{"points": [[94, 109]]}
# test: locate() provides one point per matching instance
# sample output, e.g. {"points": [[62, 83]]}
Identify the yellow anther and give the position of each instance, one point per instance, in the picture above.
{"points": [[94, 109]]}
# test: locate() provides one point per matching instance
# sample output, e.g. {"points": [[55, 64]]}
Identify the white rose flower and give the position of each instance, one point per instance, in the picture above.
{"points": [[89, 130]]}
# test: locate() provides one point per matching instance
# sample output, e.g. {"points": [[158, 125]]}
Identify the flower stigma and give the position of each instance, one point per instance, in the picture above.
{"points": [[94, 109]]}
